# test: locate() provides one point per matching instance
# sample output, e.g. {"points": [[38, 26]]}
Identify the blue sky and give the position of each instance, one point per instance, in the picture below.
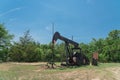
{"points": [[82, 19]]}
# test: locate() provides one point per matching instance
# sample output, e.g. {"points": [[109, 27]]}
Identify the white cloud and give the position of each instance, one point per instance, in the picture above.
{"points": [[48, 28], [9, 11]]}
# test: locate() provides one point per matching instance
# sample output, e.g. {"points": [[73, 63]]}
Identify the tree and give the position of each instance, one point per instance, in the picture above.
{"points": [[5, 42], [109, 48], [60, 54], [85, 49], [25, 50], [113, 42], [114, 35]]}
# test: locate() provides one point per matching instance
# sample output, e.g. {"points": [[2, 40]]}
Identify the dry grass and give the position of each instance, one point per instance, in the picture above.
{"points": [[38, 71]]}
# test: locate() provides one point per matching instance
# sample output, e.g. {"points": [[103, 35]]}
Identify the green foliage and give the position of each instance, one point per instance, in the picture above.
{"points": [[5, 44], [108, 48], [27, 50]]}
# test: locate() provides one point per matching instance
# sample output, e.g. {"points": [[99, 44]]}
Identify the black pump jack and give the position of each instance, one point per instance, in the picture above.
{"points": [[72, 58]]}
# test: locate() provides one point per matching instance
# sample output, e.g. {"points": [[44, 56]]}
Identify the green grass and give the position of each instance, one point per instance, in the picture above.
{"points": [[104, 65], [9, 71]]}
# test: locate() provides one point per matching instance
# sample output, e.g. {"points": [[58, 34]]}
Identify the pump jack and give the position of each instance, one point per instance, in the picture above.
{"points": [[72, 58]]}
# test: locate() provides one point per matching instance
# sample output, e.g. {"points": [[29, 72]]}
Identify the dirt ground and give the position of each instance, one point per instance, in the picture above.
{"points": [[106, 74], [38, 71]]}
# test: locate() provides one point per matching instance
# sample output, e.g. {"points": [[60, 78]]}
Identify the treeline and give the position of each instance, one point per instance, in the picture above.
{"points": [[108, 48], [28, 50]]}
